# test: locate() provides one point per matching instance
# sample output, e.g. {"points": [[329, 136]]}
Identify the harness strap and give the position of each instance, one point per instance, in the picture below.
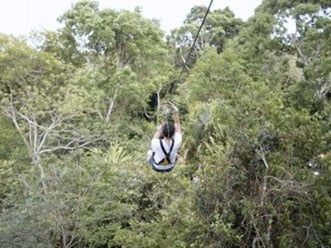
{"points": [[167, 154]]}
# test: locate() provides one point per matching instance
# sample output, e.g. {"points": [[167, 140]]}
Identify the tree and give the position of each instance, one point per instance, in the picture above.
{"points": [[32, 97], [219, 27], [123, 54], [254, 167], [244, 145]]}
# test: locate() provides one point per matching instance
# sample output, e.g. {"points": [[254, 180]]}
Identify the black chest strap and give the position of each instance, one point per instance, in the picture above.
{"points": [[167, 154]]}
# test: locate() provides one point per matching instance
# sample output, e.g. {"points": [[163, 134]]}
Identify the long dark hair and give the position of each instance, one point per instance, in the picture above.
{"points": [[168, 130]]}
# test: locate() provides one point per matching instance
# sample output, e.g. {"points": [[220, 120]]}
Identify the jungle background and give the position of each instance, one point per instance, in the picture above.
{"points": [[79, 106]]}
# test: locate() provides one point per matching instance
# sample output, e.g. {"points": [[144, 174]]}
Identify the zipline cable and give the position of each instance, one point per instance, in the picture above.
{"points": [[192, 47], [195, 39]]}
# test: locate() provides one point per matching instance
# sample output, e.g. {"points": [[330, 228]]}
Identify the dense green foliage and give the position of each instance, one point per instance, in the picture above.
{"points": [[78, 109]]}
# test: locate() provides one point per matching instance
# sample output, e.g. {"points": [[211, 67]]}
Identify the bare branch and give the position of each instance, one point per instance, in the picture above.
{"points": [[23, 116], [45, 135], [99, 114], [111, 105], [261, 153], [71, 145], [11, 113]]}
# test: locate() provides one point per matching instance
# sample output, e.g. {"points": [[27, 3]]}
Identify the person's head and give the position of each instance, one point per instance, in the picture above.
{"points": [[168, 129]]}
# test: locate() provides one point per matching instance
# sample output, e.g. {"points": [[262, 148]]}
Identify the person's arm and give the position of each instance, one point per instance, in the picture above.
{"points": [[175, 116], [158, 132], [177, 122]]}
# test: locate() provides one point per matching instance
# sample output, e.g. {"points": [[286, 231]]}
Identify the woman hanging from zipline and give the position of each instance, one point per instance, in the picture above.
{"points": [[168, 138], [165, 143]]}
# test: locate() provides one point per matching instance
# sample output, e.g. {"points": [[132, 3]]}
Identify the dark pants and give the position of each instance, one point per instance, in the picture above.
{"points": [[151, 163]]}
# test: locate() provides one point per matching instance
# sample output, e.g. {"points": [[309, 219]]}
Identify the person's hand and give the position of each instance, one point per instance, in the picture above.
{"points": [[173, 108]]}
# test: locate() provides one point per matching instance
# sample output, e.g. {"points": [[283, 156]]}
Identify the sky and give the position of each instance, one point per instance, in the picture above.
{"points": [[20, 17]]}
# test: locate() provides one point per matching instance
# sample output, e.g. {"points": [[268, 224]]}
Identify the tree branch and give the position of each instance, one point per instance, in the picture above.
{"points": [[11, 114], [111, 105], [70, 145]]}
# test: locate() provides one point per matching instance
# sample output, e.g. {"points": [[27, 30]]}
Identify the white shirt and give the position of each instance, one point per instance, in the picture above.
{"points": [[159, 154]]}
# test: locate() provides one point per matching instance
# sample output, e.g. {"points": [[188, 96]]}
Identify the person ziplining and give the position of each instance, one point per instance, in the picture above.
{"points": [[168, 138], [165, 143]]}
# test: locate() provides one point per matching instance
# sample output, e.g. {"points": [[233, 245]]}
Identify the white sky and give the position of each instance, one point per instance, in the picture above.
{"points": [[19, 17]]}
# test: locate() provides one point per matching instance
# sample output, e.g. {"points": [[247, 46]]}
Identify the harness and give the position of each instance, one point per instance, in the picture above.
{"points": [[165, 164], [166, 160]]}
